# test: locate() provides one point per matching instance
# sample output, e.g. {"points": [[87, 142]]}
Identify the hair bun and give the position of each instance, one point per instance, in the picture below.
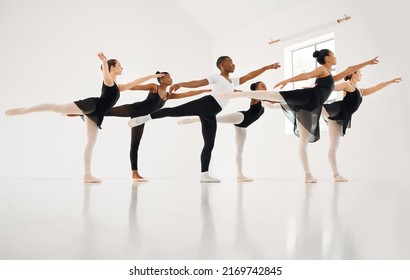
{"points": [[316, 54]]}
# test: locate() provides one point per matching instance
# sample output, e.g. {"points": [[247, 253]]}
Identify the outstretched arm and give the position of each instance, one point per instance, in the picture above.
{"points": [[188, 93], [368, 91], [124, 87], [191, 84], [349, 70], [258, 72], [151, 87], [320, 71], [108, 80]]}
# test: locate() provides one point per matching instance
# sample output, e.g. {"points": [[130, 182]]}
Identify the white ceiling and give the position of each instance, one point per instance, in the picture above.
{"points": [[210, 15]]}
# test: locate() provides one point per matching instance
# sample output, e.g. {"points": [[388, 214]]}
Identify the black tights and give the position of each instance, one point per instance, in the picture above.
{"points": [[206, 108], [136, 135], [130, 110]]}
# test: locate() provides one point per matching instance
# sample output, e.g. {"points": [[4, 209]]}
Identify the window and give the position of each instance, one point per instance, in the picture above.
{"points": [[299, 59]]}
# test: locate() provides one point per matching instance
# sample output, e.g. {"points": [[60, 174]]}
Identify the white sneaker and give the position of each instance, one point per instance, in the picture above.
{"points": [[138, 121], [205, 178]]}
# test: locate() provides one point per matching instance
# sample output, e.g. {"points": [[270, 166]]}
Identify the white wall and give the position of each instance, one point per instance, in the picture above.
{"points": [[49, 54], [377, 144]]}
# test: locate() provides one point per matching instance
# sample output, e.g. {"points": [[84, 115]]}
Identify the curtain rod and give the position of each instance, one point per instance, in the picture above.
{"points": [[316, 28]]}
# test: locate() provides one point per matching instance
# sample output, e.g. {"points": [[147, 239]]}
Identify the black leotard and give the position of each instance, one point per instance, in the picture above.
{"points": [[305, 105], [251, 115], [96, 107], [342, 111]]}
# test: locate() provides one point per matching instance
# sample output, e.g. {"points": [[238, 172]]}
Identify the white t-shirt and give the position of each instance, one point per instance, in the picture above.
{"points": [[221, 84]]}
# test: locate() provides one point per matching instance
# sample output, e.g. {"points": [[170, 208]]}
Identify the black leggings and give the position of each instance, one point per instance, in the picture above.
{"points": [[136, 135], [206, 108], [131, 110]]}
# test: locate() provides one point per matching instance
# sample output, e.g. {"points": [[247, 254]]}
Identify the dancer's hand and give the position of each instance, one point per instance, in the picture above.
{"points": [[373, 61], [174, 88], [395, 80], [155, 76], [282, 84], [102, 56], [275, 65]]}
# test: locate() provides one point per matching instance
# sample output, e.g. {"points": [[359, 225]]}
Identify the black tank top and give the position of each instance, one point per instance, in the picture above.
{"points": [[154, 101], [325, 85], [110, 95], [352, 101]]}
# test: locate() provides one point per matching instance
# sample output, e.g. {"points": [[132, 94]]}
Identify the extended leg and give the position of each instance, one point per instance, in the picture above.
{"points": [[234, 118], [69, 108], [121, 111], [256, 94]]}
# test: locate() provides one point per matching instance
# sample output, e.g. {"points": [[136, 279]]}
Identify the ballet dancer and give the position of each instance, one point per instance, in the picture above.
{"points": [[241, 120], [207, 107], [94, 108], [156, 98], [338, 114], [303, 106]]}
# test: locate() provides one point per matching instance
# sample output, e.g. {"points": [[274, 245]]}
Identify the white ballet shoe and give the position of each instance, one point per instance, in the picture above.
{"points": [[205, 178], [340, 178], [89, 179], [187, 121], [16, 111], [309, 179], [139, 120], [244, 179], [140, 180]]}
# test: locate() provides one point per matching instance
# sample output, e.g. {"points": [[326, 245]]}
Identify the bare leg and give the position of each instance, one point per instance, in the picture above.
{"points": [[240, 143], [69, 108], [303, 143], [334, 137], [92, 132]]}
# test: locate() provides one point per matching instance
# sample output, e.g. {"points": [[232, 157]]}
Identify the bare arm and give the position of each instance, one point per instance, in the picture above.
{"points": [[151, 87], [258, 72], [349, 70], [368, 91], [108, 80], [341, 86], [320, 71], [188, 94], [124, 87], [191, 84]]}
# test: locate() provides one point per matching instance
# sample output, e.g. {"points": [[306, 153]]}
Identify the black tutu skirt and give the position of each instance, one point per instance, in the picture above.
{"points": [[305, 106], [94, 108]]}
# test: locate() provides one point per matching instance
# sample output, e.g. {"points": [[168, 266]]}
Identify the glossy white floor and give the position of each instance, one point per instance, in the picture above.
{"points": [[183, 219]]}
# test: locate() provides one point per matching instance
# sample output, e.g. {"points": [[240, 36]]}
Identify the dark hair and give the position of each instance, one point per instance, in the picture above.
{"points": [[158, 72], [110, 62], [220, 60], [255, 85], [348, 77], [320, 55]]}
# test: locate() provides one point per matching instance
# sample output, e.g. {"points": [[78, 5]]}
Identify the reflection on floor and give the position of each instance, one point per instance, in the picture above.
{"points": [[183, 219]]}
